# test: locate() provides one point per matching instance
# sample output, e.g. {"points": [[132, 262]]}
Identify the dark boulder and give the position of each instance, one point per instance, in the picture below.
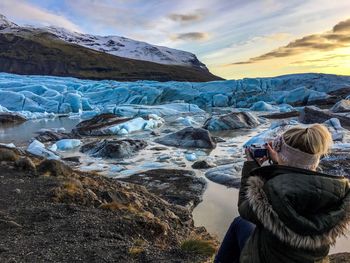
{"points": [[54, 168], [203, 164], [281, 115], [312, 114], [11, 118], [98, 125], [341, 106], [48, 136], [181, 187], [231, 121], [114, 148], [189, 138]]}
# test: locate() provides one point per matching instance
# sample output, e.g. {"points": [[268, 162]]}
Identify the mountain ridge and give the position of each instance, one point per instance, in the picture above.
{"points": [[40, 53], [114, 45]]}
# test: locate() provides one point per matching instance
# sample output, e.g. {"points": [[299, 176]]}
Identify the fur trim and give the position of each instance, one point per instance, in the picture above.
{"points": [[271, 221]]}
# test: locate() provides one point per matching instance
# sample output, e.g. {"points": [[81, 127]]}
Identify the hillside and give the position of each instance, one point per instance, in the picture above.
{"points": [[40, 53]]}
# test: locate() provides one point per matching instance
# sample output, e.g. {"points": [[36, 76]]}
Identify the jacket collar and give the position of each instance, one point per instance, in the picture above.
{"points": [[271, 171]]}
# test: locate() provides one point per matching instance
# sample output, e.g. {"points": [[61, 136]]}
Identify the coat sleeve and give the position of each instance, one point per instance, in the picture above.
{"points": [[244, 207]]}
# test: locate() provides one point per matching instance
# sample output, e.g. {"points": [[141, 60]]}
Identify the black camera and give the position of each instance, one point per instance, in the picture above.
{"points": [[258, 151]]}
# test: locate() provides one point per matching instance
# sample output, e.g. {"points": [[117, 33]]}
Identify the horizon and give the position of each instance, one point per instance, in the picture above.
{"points": [[235, 39]]}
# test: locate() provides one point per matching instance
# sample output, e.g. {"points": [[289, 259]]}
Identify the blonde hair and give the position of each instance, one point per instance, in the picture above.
{"points": [[315, 139]]}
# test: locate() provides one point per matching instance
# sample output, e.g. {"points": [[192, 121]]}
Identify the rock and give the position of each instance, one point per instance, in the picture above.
{"points": [[73, 159], [341, 106], [202, 165], [17, 191], [48, 136], [114, 148], [335, 129], [54, 168], [189, 138], [163, 158], [155, 133], [340, 258], [281, 115], [228, 175], [110, 124], [97, 124], [180, 187], [25, 163], [218, 139], [158, 148], [231, 121], [8, 155], [336, 163], [12, 118], [312, 114], [6, 224]]}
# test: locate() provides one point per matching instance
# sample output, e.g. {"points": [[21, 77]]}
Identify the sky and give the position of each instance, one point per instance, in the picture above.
{"points": [[234, 38]]}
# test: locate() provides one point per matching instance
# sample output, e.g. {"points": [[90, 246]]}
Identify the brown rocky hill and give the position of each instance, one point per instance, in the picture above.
{"points": [[41, 53]]}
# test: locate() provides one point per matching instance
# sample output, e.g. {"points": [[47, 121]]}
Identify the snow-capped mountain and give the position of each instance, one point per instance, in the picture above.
{"points": [[5, 23], [116, 45]]}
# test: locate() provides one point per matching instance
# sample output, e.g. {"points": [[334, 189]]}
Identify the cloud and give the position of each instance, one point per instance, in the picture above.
{"points": [[196, 36], [186, 18], [322, 59], [338, 37], [25, 12]]}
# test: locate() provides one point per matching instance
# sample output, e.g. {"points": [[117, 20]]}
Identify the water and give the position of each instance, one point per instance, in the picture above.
{"points": [[219, 205], [219, 208], [22, 133]]}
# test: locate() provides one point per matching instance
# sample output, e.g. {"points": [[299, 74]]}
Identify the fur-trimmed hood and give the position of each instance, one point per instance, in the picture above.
{"points": [[303, 209]]}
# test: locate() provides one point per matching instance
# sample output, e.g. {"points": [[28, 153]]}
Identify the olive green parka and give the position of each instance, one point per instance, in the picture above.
{"points": [[298, 213]]}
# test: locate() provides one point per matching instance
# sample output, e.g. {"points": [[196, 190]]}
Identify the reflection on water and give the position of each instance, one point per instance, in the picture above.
{"points": [[19, 134], [219, 208]]}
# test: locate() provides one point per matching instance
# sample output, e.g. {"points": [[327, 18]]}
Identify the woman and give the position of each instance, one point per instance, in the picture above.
{"points": [[288, 211]]}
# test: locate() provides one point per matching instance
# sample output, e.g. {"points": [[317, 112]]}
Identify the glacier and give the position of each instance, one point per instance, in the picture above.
{"points": [[40, 96]]}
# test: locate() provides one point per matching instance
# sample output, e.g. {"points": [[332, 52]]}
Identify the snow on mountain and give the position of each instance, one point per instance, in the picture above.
{"points": [[128, 48], [116, 45], [5, 23]]}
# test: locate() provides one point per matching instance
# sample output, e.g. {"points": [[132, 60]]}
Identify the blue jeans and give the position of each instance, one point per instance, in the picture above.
{"points": [[234, 240]]}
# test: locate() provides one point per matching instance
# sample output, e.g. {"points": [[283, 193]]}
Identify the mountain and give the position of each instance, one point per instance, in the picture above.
{"points": [[59, 52], [128, 48]]}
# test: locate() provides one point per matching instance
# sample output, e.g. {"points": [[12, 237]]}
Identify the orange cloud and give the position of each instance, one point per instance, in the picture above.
{"points": [[338, 37]]}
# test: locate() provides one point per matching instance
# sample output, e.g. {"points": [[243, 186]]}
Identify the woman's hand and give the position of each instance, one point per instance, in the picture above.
{"points": [[272, 153], [250, 158]]}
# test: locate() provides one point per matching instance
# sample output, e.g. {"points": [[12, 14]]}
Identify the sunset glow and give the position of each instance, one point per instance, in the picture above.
{"points": [[234, 38]]}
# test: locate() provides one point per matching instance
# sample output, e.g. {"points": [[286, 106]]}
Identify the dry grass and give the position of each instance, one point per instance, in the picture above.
{"points": [[115, 206], [197, 246], [138, 247], [70, 190]]}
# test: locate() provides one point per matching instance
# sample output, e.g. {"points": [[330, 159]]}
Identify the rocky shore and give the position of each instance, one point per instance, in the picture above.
{"points": [[51, 213]]}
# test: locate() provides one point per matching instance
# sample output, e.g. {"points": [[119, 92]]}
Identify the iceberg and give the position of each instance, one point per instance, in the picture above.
{"points": [[190, 157], [137, 124], [67, 144], [263, 106], [38, 148]]}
